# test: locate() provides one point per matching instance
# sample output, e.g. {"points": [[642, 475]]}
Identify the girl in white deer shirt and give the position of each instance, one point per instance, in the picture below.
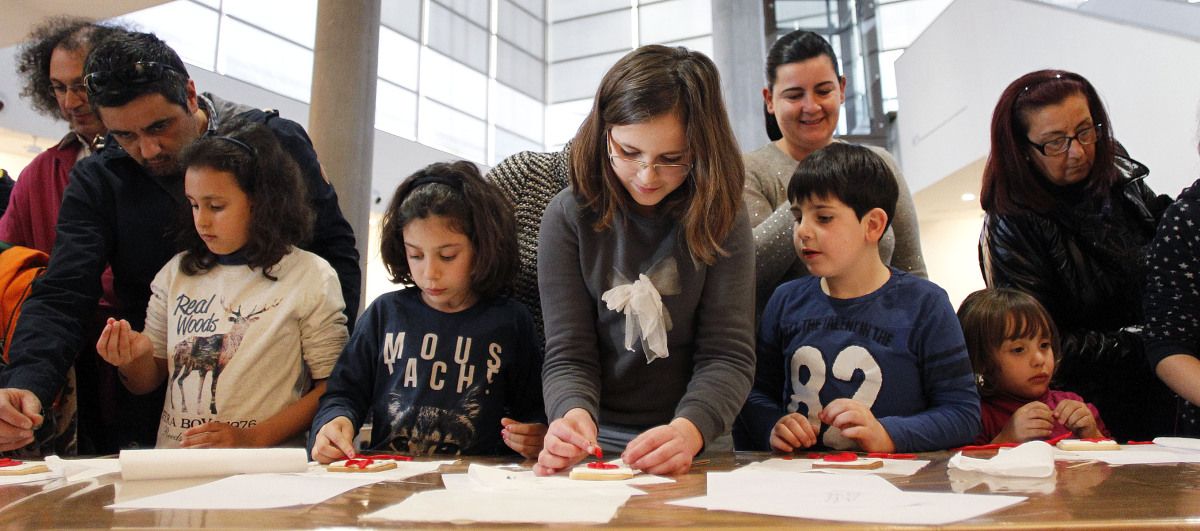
{"points": [[242, 326]]}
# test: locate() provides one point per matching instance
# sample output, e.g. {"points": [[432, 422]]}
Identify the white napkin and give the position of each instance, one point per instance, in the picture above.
{"points": [[645, 318], [201, 462], [1182, 443], [1034, 459]]}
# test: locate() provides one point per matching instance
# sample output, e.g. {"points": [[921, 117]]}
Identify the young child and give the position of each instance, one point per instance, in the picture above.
{"points": [[242, 325], [1014, 348], [445, 366], [859, 355], [645, 266]]}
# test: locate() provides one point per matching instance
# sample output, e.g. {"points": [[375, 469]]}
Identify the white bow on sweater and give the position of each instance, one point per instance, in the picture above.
{"points": [[645, 317]]}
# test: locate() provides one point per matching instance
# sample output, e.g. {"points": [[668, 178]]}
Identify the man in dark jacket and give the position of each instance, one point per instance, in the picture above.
{"points": [[122, 208]]}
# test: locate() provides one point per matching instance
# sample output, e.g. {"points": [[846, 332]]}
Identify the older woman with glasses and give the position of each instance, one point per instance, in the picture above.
{"points": [[1069, 216]]}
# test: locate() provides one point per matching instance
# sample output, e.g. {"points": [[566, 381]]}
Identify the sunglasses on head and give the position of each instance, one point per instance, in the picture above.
{"points": [[139, 73]]}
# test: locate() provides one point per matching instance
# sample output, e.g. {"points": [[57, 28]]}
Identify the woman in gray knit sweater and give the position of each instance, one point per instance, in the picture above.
{"points": [[642, 266], [803, 96]]}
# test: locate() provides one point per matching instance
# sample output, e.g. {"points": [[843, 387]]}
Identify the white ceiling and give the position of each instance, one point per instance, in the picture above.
{"points": [[19, 16]]}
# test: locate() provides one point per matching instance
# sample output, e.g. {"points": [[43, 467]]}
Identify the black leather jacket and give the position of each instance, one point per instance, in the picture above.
{"points": [[1084, 261]]}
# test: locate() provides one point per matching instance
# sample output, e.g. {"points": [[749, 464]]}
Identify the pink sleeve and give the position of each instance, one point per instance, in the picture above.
{"points": [[15, 224]]}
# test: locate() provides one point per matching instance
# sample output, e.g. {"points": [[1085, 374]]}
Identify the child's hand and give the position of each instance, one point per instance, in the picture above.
{"points": [[858, 424], [525, 439], [215, 434], [1076, 416], [665, 450], [334, 441], [568, 441], [1030, 422], [119, 344], [791, 432]]}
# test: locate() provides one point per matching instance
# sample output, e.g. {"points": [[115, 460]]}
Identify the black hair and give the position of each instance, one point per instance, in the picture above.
{"points": [[120, 53], [474, 207], [280, 215], [33, 62], [795, 47], [850, 173]]}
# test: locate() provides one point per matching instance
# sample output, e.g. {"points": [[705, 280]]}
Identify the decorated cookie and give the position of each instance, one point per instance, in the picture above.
{"points": [[1085, 445], [13, 467], [597, 471]]}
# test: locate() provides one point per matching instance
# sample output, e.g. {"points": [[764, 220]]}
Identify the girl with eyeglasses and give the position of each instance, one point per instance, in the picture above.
{"points": [[1068, 219], [803, 98], [645, 267], [242, 326]]}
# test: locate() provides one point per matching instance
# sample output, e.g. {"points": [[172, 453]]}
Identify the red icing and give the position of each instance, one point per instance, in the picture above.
{"points": [[885, 455], [8, 461], [1055, 440], [364, 461], [596, 451], [843, 457], [601, 466], [1139, 442], [1097, 439]]}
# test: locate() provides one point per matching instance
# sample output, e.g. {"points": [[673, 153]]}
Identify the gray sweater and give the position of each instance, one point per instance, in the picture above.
{"points": [[710, 368], [768, 172]]}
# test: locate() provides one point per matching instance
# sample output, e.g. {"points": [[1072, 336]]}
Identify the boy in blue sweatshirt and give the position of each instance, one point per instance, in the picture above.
{"points": [[859, 355]]}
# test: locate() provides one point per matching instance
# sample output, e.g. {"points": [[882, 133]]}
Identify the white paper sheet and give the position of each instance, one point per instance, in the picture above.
{"points": [[963, 480], [202, 462], [868, 499], [1181, 443], [513, 506], [1034, 459], [252, 491], [480, 477], [81, 469], [1138, 454], [403, 470], [891, 467]]}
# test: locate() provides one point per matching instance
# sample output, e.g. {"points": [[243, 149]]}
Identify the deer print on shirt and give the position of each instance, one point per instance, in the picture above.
{"points": [[205, 354]]}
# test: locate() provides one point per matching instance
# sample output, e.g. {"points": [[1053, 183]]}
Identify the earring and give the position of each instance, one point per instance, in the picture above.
{"points": [[979, 380]]}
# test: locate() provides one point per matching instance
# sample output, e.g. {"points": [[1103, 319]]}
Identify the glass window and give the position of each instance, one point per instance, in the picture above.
{"points": [[571, 80], [519, 70], [398, 57], [900, 23], [190, 29], [536, 8], [508, 144], [522, 29], [887, 73], [265, 60], [295, 20], [563, 120], [474, 10], [395, 110], [674, 20], [453, 84], [454, 36], [703, 45], [447, 129], [591, 35], [517, 112], [403, 16], [796, 14], [565, 9]]}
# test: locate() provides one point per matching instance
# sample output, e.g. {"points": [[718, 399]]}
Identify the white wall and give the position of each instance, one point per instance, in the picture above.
{"points": [[952, 75]]}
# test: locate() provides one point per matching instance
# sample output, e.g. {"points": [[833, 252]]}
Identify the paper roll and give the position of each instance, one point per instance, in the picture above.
{"points": [[201, 462]]}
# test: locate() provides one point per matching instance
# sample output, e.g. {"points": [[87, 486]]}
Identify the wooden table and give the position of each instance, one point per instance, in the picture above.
{"points": [[1087, 496]]}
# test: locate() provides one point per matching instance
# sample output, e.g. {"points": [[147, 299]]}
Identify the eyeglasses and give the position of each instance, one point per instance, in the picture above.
{"points": [[1062, 144], [78, 89], [140, 73], [626, 165]]}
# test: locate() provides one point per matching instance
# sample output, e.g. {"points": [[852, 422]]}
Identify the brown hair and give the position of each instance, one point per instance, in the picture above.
{"points": [[646, 83], [473, 207], [1011, 182], [989, 317]]}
